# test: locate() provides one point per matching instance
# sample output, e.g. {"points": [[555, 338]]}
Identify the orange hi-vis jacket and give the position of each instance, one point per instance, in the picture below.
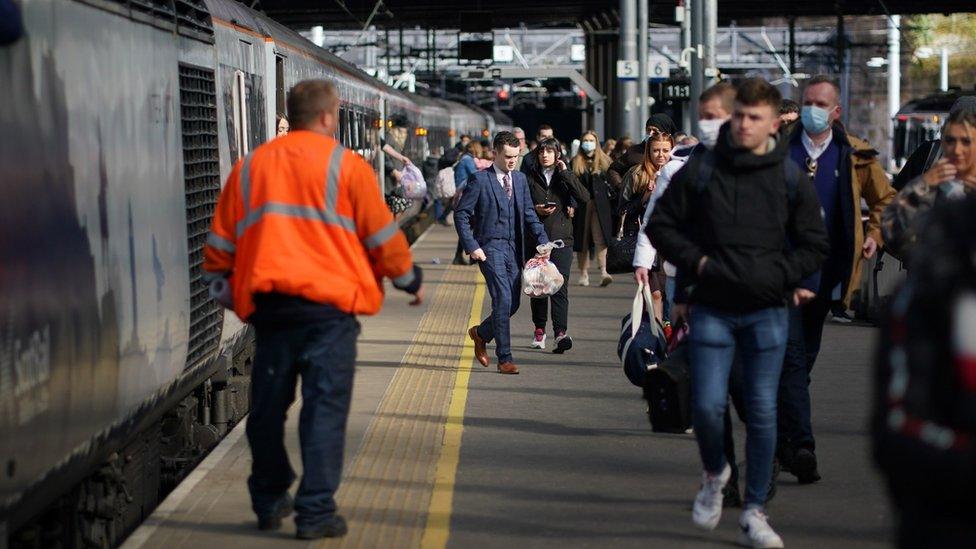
{"points": [[303, 216]]}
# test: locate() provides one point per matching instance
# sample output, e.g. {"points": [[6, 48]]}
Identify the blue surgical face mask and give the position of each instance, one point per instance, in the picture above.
{"points": [[814, 119], [588, 146]]}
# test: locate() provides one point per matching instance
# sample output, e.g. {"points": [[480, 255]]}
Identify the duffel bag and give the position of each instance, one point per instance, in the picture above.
{"points": [[642, 345], [667, 390]]}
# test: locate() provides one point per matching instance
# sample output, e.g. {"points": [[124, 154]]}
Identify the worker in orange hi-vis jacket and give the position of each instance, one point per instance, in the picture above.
{"points": [[299, 245]]}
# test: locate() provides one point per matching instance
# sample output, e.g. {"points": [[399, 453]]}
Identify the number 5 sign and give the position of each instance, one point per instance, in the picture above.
{"points": [[658, 68]]}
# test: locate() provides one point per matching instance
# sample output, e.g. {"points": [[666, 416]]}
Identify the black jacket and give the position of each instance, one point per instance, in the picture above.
{"points": [[741, 220], [562, 189]]}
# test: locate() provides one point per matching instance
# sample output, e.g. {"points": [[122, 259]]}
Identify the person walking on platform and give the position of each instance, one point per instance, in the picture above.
{"points": [[526, 163], [595, 223], [494, 219], [299, 242], [844, 170], [929, 152], [950, 178], [743, 233], [634, 154], [553, 188], [714, 109]]}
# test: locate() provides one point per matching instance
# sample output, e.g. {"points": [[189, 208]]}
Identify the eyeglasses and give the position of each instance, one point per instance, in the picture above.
{"points": [[812, 167]]}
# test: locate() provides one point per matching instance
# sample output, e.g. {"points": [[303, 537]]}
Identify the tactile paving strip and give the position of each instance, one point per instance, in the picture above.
{"points": [[387, 491]]}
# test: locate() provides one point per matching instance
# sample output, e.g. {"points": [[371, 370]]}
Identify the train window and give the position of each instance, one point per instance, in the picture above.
{"points": [[247, 58], [343, 132], [240, 115], [280, 84]]}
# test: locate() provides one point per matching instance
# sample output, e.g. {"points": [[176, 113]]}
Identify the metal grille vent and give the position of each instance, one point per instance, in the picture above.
{"points": [[190, 17], [201, 175]]}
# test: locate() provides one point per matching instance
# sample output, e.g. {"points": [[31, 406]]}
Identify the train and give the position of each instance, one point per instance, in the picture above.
{"points": [[121, 121]]}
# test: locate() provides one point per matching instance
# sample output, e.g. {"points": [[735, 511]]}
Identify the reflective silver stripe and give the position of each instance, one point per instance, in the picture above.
{"points": [[221, 243], [328, 215], [246, 183], [292, 210], [381, 236], [332, 178], [404, 280]]}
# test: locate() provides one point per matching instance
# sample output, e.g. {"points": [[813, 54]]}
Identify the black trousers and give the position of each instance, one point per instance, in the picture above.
{"points": [[563, 259], [794, 426]]}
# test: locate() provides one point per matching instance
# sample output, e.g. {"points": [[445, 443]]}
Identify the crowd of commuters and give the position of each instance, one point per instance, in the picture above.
{"points": [[750, 233]]}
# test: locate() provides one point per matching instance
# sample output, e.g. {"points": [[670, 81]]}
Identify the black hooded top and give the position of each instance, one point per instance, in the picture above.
{"points": [[743, 220]]}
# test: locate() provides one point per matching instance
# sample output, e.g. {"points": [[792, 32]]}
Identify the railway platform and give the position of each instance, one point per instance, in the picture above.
{"points": [[444, 453]]}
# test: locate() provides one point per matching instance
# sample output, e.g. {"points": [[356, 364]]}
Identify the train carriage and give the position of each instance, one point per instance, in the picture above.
{"points": [[117, 370]]}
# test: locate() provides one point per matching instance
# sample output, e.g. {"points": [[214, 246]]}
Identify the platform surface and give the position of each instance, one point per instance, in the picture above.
{"points": [[442, 452]]}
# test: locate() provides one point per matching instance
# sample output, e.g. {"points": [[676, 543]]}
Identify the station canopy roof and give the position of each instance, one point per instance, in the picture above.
{"points": [[453, 14]]}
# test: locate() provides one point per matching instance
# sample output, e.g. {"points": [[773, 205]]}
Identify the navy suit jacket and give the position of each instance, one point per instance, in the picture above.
{"points": [[477, 217]]}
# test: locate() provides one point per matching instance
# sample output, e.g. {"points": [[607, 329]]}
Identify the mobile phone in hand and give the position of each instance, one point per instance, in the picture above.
{"points": [[551, 204]]}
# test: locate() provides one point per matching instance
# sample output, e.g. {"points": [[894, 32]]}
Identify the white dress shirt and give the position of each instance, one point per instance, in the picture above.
{"points": [[501, 177], [813, 150]]}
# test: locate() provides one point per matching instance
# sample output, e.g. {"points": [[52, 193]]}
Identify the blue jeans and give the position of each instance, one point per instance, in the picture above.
{"points": [[324, 354], [759, 338], [503, 276], [442, 207]]}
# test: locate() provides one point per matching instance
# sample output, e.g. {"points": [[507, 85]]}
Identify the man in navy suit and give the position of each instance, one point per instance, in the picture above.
{"points": [[491, 219]]}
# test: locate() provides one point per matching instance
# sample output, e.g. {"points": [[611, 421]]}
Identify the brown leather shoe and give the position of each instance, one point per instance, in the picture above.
{"points": [[508, 368], [480, 347]]}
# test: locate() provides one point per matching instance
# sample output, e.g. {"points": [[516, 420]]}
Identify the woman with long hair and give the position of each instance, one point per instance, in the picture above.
{"points": [[555, 190], [593, 224], [636, 189]]}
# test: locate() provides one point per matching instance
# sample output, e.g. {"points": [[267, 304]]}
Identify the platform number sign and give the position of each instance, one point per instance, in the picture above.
{"points": [[657, 69], [676, 90]]}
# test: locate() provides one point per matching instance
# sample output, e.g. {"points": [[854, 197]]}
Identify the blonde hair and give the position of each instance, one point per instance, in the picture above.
{"points": [[600, 162], [644, 174]]}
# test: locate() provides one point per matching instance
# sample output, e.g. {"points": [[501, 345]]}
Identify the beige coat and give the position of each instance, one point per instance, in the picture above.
{"points": [[870, 182]]}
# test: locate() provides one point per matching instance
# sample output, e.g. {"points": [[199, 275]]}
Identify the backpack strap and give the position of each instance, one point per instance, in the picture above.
{"points": [[935, 153], [706, 167], [793, 176]]}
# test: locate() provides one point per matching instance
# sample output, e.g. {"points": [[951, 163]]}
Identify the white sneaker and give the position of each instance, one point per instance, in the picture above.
{"points": [[584, 280], [538, 340], [755, 531], [708, 503]]}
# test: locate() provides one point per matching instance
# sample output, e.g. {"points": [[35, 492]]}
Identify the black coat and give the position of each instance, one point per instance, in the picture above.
{"points": [[565, 190], [741, 220], [603, 199]]}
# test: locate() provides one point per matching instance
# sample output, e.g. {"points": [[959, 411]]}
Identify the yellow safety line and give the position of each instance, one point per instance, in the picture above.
{"points": [[438, 526]]}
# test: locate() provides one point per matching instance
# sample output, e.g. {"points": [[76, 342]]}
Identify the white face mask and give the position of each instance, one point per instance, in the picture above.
{"points": [[709, 131]]}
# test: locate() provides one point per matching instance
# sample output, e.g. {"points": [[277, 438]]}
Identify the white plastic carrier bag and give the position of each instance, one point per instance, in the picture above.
{"points": [[414, 186], [540, 277]]}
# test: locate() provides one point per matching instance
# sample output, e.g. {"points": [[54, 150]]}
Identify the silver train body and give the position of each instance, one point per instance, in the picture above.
{"points": [[121, 119]]}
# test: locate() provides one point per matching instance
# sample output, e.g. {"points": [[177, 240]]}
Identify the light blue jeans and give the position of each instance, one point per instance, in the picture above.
{"points": [[758, 339]]}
